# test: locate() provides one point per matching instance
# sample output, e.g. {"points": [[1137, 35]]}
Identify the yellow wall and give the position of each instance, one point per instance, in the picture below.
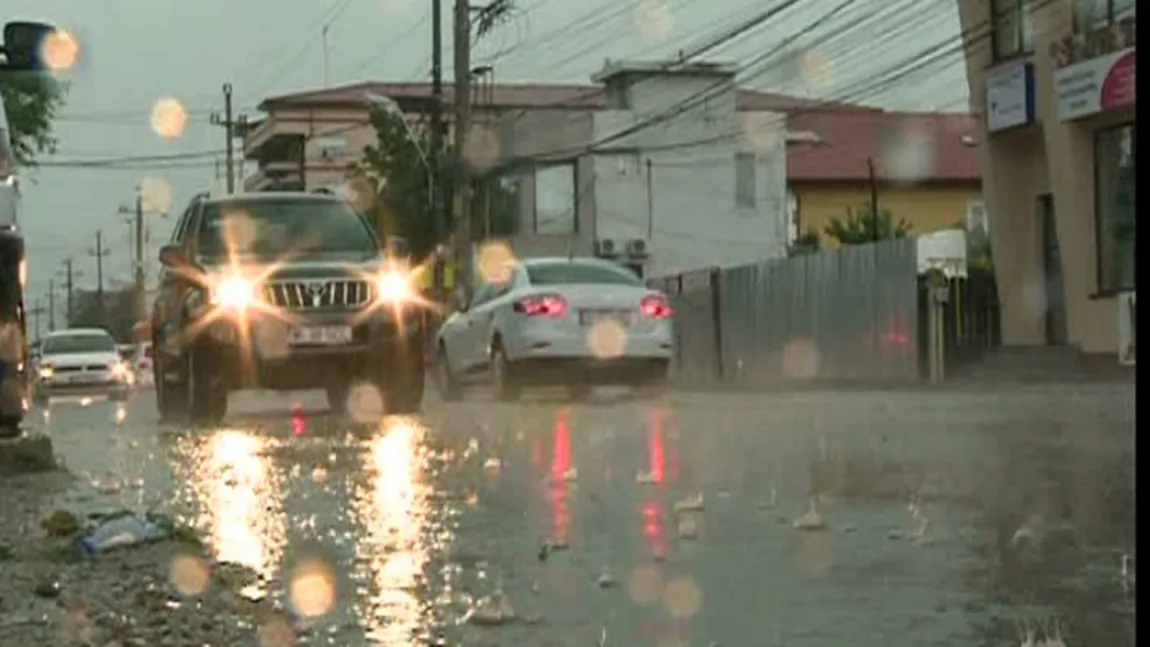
{"points": [[927, 207], [1018, 165]]}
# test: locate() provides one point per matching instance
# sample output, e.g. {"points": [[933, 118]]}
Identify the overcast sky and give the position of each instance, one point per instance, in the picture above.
{"points": [[136, 52]]}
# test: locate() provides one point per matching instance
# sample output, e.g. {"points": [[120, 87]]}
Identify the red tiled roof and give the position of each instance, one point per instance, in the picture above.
{"points": [[522, 95], [922, 146]]}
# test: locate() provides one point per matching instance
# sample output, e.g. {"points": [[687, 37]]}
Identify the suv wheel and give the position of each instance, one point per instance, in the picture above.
{"points": [[171, 397], [206, 396], [504, 380], [445, 381]]}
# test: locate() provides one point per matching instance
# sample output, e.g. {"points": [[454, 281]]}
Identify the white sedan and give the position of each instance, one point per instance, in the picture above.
{"points": [[575, 322], [81, 361]]}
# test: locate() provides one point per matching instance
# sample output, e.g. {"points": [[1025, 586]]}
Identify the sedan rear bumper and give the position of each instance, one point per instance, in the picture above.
{"points": [[581, 370]]}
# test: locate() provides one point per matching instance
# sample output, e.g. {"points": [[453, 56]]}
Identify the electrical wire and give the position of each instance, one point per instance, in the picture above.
{"points": [[334, 10]]}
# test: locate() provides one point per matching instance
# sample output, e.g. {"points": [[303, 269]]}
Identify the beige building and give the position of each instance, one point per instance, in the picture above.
{"points": [[1054, 81]]}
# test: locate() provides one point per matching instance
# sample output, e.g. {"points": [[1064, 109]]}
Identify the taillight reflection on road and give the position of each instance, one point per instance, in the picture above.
{"points": [[298, 420], [560, 463]]}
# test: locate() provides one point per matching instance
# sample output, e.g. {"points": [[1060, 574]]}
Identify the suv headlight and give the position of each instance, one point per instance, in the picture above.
{"points": [[46, 371], [394, 287], [233, 293]]}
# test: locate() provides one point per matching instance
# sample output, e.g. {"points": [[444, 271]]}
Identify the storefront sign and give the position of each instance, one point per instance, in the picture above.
{"points": [[1092, 86], [1010, 96]]}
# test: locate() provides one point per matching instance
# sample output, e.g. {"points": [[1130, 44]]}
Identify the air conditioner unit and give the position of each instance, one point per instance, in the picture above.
{"points": [[637, 248], [606, 248]]}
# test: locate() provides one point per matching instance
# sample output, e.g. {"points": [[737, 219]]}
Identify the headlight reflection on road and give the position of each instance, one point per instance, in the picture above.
{"points": [[391, 508], [241, 500]]}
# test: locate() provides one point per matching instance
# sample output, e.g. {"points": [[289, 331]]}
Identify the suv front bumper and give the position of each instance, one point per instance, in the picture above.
{"points": [[260, 347]]}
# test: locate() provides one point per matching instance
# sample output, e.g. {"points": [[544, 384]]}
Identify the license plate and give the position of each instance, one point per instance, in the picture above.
{"points": [[320, 335], [82, 378], [591, 317]]}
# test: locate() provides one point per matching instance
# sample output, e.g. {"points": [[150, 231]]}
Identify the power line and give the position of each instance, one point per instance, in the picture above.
{"points": [[130, 159]]}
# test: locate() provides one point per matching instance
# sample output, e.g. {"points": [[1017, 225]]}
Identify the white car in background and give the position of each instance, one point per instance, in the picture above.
{"points": [[81, 361], [575, 322]]}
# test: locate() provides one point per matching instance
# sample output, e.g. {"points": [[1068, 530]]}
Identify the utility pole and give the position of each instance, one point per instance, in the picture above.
{"points": [[37, 311], [68, 292], [462, 128], [137, 215], [100, 253], [229, 124], [438, 133], [51, 305]]}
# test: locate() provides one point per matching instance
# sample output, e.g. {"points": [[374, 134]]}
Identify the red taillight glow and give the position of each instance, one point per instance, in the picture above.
{"points": [[656, 306], [550, 305]]}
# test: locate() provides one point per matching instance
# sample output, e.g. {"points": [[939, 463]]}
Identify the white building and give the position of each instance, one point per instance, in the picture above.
{"points": [[669, 159]]}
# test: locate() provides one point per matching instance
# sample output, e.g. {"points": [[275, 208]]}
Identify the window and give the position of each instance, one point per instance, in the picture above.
{"points": [[272, 228], [1013, 28], [580, 273], [1114, 207], [745, 179], [65, 344], [555, 199], [1090, 15]]}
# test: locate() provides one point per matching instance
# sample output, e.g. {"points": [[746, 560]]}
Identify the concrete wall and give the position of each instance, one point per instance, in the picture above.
{"points": [[927, 207], [1052, 156]]}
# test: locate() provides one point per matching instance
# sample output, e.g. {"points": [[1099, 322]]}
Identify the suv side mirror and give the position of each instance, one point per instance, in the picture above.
{"points": [[173, 257]]}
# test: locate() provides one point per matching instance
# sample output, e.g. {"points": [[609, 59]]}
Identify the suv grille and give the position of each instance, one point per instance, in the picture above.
{"points": [[305, 295]]}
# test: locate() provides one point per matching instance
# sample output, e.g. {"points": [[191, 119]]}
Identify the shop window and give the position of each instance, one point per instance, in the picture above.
{"points": [[555, 200], [1114, 209], [1013, 28], [1090, 15]]}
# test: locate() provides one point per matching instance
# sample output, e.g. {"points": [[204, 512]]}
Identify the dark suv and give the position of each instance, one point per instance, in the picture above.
{"points": [[281, 291]]}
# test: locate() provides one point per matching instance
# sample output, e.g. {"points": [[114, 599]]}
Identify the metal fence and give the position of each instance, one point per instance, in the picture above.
{"points": [[844, 315]]}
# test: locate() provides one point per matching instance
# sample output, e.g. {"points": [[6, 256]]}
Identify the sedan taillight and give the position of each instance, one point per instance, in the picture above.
{"points": [[656, 306], [547, 305]]}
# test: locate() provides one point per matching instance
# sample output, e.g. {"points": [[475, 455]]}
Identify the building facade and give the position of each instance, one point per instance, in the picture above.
{"points": [[1055, 87], [672, 166], [922, 168]]}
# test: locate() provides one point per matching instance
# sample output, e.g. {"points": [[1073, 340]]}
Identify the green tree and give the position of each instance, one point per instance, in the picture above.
{"points": [[859, 226], [395, 169], [492, 15], [32, 100], [807, 242]]}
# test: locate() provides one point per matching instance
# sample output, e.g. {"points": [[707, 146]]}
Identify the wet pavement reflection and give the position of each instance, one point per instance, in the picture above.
{"points": [[812, 519]]}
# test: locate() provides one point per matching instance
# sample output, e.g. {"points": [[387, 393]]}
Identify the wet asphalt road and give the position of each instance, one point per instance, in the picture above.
{"points": [[952, 517]]}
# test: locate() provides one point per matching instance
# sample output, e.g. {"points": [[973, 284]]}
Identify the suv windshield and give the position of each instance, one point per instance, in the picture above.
{"points": [[78, 343], [579, 273], [270, 229]]}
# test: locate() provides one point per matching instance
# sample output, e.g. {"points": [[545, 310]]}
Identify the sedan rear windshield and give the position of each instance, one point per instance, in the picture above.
{"points": [[271, 229], [85, 343], [579, 274]]}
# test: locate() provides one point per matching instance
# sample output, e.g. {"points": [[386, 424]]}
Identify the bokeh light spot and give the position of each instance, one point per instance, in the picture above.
{"points": [[816, 69], [494, 259], [481, 149], [682, 598], [908, 156], [169, 118], [645, 585], [189, 574], [156, 195], [312, 590], [606, 339], [365, 404], [60, 51], [800, 359], [653, 20]]}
